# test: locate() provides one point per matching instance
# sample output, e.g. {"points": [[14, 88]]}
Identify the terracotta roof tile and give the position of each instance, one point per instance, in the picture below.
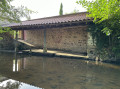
{"points": [[52, 20]]}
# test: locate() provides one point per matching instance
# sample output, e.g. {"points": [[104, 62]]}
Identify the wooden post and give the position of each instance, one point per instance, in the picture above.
{"points": [[16, 39], [44, 46]]}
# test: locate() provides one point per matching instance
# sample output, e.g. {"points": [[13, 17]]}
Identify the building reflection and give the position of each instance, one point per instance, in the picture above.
{"points": [[15, 66], [18, 64]]}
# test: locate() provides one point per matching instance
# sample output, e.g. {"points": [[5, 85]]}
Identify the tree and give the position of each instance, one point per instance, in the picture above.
{"points": [[102, 10], [61, 9], [106, 15], [10, 13], [73, 12]]}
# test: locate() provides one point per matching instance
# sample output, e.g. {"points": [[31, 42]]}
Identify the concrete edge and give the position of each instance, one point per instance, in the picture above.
{"points": [[61, 56], [54, 55]]}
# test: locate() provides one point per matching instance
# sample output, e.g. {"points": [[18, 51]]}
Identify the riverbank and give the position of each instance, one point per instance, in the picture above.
{"points": [[61, 54], [54, 53]]}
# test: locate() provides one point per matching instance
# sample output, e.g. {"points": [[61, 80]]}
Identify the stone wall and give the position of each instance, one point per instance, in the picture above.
{"points": [[91, 48], [7, 43], [72, 39]]}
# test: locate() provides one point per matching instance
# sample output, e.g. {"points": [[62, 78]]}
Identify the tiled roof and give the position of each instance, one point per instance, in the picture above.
{"points": [[52, 20]]}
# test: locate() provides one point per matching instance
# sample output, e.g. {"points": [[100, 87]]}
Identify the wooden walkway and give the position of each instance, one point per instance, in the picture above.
{"points": [[51, 52], [55, 53]]}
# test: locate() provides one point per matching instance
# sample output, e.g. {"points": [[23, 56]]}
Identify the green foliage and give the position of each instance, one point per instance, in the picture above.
{"points": [[107, 46], [106, 30], [61, 9], [9, 13], [102, 10], [74, 11], [6, 29], [1, 38]]}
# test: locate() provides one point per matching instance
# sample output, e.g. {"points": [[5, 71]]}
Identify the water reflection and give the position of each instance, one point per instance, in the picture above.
{"points": [[59, 73], [18, 64]]}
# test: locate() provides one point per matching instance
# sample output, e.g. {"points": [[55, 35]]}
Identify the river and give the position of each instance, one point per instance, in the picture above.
{"points": [[40, 72]]}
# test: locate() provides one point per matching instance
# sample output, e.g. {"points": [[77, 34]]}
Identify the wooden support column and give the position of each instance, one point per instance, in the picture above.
{"points": [[44, 45], [16, 39]]}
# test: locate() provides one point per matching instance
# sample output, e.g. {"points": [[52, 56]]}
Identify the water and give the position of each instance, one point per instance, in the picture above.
{"points": [[32, 72]]}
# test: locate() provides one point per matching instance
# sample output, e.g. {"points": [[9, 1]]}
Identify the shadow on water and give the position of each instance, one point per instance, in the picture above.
{"points": [[56, 73]]}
